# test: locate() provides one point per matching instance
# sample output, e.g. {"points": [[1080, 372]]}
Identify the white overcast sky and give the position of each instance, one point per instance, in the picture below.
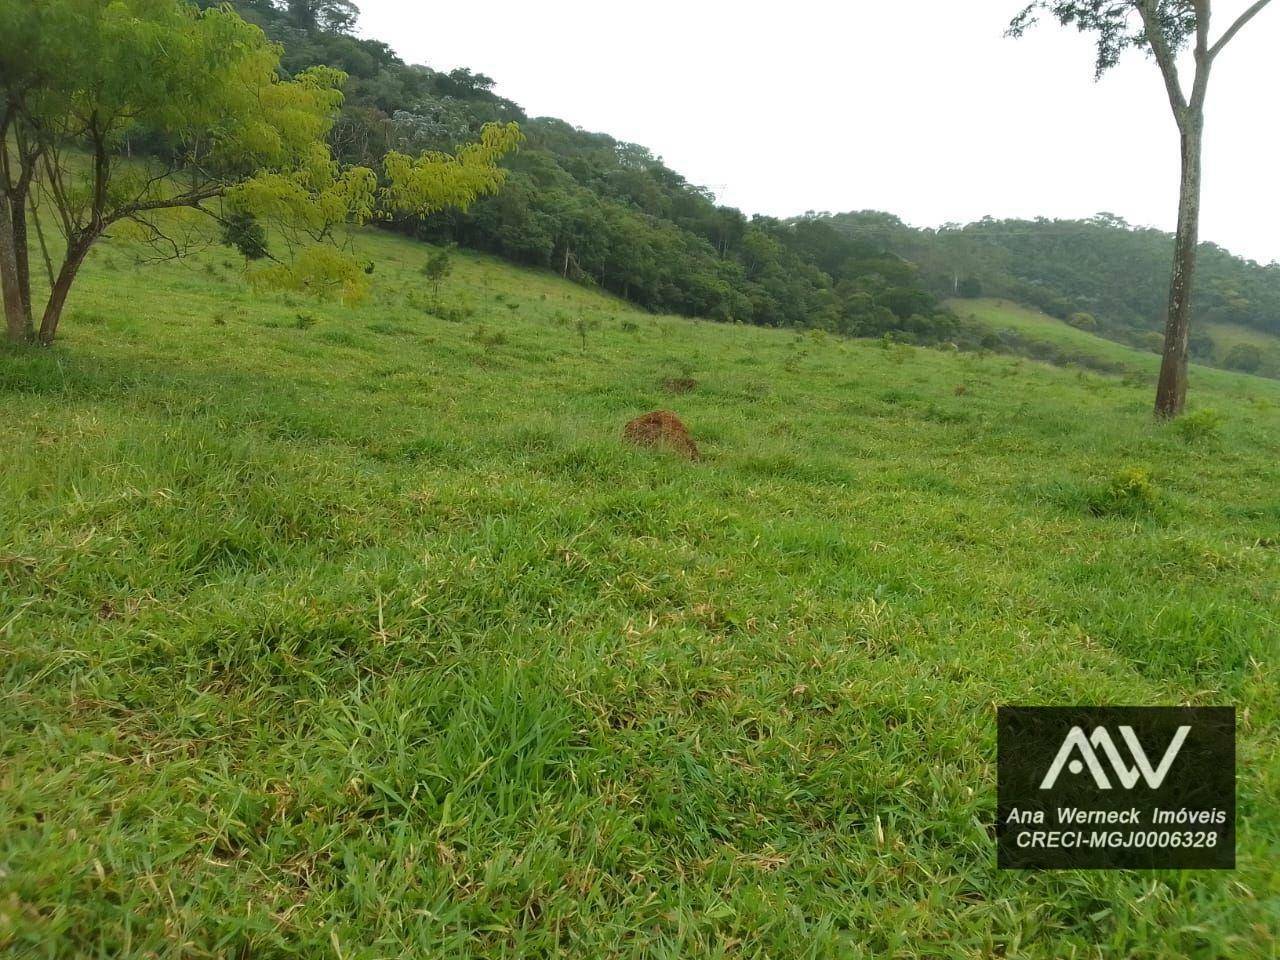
{"points": [[918, 107]]}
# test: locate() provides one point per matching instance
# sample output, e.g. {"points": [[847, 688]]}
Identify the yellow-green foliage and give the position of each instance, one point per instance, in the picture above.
{"points": [[319, 269], [433, 181]]}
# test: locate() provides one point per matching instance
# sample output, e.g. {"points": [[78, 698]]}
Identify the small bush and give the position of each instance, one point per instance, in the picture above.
{"points": [[487, 338], [1202, 426], [1244, 357], [451, 312], [1129, 493]]}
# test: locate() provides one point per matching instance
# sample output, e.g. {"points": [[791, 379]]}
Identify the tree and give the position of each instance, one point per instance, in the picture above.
{"points": [[334, 16], [437, 269], [1163, 28], [80, 80]]}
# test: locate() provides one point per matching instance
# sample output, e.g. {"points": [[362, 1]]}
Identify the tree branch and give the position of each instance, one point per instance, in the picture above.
{"points": [[44, 247], [1204, 63], [1236, 27], [191, 199], [1164, 56]]}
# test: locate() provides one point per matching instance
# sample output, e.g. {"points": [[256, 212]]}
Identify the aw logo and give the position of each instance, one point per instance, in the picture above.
{"points": [[1115, 788], [1077, 742]]}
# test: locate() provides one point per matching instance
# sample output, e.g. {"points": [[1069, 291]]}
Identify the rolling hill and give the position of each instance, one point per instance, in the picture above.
{"points": [[1026, 331], [358, 631]]}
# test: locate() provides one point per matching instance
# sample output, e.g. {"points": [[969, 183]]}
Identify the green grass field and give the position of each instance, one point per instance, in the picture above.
{"points": [[359, 633]]}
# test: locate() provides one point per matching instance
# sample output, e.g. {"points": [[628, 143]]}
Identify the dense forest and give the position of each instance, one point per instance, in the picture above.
{"points": [[612, 214]]}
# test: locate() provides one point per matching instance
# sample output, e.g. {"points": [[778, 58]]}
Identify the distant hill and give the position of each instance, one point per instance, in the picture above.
{"points": [[1017, 328], [1105, 275]]}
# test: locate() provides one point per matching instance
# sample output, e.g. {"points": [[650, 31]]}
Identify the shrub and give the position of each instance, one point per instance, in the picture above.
{"points": [[1129, 493], [245, 233], [483, 336], [450, 312], [583, 326], [1199, 427]]}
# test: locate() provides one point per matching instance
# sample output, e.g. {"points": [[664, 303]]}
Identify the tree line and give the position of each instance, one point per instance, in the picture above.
{"points": [[598, 210]]}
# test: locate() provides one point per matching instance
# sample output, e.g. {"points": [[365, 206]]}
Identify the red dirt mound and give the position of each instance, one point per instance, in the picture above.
{"points": [[661, 429]]}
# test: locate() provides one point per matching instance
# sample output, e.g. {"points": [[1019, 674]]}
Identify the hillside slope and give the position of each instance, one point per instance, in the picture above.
{"points": [[357, 631], [1025, 331], [1115, 273]]}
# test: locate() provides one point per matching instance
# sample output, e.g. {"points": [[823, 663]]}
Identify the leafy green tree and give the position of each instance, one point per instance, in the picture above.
{"points": [[1162, 28], [80, 80], [337, 16]]}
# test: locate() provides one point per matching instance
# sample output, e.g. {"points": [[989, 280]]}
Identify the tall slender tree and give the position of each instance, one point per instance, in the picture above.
{"points": [[1164, 29]]}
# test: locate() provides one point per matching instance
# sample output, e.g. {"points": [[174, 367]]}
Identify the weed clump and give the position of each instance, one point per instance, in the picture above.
{"points": [[1202, 426], [1130, 492], [488, 338], [442, 309], [679, 385]]}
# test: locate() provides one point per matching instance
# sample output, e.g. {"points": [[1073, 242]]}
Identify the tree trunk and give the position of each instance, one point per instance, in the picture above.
{"points": [[21, 252], [17, 320], [61, 287], [1171, 391]]}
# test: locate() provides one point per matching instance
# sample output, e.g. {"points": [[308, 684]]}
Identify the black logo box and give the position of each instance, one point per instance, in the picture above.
{"points": [[1200, 779]]}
